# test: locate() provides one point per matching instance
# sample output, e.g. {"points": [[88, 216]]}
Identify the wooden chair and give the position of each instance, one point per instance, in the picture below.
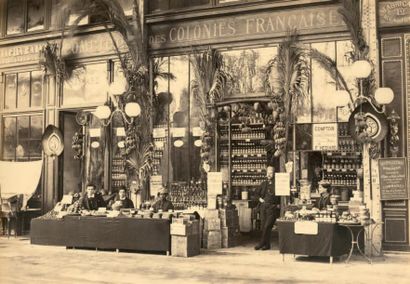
{"points": [[8, 212]]}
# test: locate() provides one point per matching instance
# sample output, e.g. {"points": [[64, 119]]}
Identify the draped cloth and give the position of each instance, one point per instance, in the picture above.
{"points": [[19, 178]]}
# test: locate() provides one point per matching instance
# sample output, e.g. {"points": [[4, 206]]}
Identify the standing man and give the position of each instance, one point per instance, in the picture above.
{"points": [[268, 207]]}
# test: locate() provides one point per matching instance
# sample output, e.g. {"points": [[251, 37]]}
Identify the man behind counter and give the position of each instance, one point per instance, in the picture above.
{"points": [[92, 199], [121, 201], [163, 203], [268, 207]]}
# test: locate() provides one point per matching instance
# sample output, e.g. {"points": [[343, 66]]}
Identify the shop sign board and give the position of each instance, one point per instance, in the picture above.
{"points": [[393, 181], [214, 183], [324, 137], [394, 13], [79, 46], [155, 184], [282, 184], [275, 23]]}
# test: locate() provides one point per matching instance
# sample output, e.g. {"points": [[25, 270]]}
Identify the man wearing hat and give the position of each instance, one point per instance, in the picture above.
{"points": [[163, 203]]}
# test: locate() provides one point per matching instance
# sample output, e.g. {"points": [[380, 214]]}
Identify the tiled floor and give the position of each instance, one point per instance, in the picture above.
{"points": [[21, 262]]}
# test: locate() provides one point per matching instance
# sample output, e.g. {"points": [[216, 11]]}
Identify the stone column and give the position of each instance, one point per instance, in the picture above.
{"points": [[370, 166]]}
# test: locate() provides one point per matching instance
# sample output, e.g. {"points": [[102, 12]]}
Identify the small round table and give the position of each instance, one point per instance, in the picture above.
{"points": [[355, 230]]}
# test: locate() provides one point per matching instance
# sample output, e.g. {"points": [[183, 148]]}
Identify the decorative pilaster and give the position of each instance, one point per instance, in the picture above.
{"points": [[370, 166]]}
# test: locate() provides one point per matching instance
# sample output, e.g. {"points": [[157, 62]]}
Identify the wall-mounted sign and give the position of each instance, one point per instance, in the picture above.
{"points": [[178, 132], [393, 181], [282, 184], [79, 46], [155, 184], [324, 137], [275, 23], [159, 132], [394, 13]]}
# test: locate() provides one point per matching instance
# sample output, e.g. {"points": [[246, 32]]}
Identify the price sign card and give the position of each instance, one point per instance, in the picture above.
{"points": [[282, 184], [214, 183]]}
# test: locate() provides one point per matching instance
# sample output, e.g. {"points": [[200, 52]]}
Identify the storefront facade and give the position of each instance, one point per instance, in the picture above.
{"points": [[247, 34], [393, 29]]}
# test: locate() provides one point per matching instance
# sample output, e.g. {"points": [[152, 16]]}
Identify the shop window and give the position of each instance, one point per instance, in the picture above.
{"points": [[25, 16], [22, 138], [23, 90], [324, 88], [178, 119], [67, 12], [88, 84]]}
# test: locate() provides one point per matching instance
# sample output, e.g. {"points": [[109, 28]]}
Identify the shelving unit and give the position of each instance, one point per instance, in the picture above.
{"points": [[118, 176], [340, 167], [242, 155]]}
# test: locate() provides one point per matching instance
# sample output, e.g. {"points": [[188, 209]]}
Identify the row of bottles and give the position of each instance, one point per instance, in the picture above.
{"points": [[343, 129], [118, 176], [341, 179], [249, 150], [248, 165], [248, 179], [184, 195], [248, 135], [348, 145], [342, 163]]}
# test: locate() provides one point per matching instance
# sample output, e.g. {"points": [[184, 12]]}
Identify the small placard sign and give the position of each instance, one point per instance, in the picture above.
{"points": [[393, 181], [306, 228], [155, 184], [214, 183], [159, 132], [282, 184], [324, 137]]}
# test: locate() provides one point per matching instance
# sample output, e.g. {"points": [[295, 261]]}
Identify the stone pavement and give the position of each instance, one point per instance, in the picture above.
{"points": [[21, 262]]}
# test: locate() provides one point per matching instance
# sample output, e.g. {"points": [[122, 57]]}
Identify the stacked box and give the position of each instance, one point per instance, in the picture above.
{"points": [[211, 238], [229, 237], [185, 246], [229, 218], [230, 227], [185, 237]]}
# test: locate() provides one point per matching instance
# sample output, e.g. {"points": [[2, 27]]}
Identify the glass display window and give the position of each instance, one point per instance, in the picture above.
{"points": [[22, 137], [88, 84], [23, 90]]}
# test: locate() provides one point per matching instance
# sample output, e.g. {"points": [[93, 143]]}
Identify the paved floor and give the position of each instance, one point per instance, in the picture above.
{"points": [[21, 262]]}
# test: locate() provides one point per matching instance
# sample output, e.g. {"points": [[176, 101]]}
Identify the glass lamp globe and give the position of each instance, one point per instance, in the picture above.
{"points": [[103, 112], [361, 69], [384, 96], [132, 109], [342, 98]]}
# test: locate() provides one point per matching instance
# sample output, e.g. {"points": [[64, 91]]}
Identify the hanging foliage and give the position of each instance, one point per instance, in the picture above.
{"points": [[210, 85], [288, 89], [134, 63]]}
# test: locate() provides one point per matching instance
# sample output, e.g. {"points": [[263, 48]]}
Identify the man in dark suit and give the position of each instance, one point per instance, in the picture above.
{"points": [[92, 199], [163, 204], [268, 207]]}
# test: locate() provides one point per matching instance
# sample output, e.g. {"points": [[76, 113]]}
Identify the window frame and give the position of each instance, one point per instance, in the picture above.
{"points": [[47, 12], [15, 109], [16, 138]]}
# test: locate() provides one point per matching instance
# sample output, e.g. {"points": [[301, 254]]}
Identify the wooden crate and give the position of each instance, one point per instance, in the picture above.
{"points": [[185, 246]]}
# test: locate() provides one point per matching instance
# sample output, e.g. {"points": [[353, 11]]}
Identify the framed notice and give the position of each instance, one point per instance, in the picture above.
{"points": [[282, 184], [324, 137], [155, 184], [214, 183], [393, 180]]}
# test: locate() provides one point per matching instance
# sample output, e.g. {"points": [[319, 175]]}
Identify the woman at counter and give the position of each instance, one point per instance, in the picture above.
{"points": [[325, 196]]}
